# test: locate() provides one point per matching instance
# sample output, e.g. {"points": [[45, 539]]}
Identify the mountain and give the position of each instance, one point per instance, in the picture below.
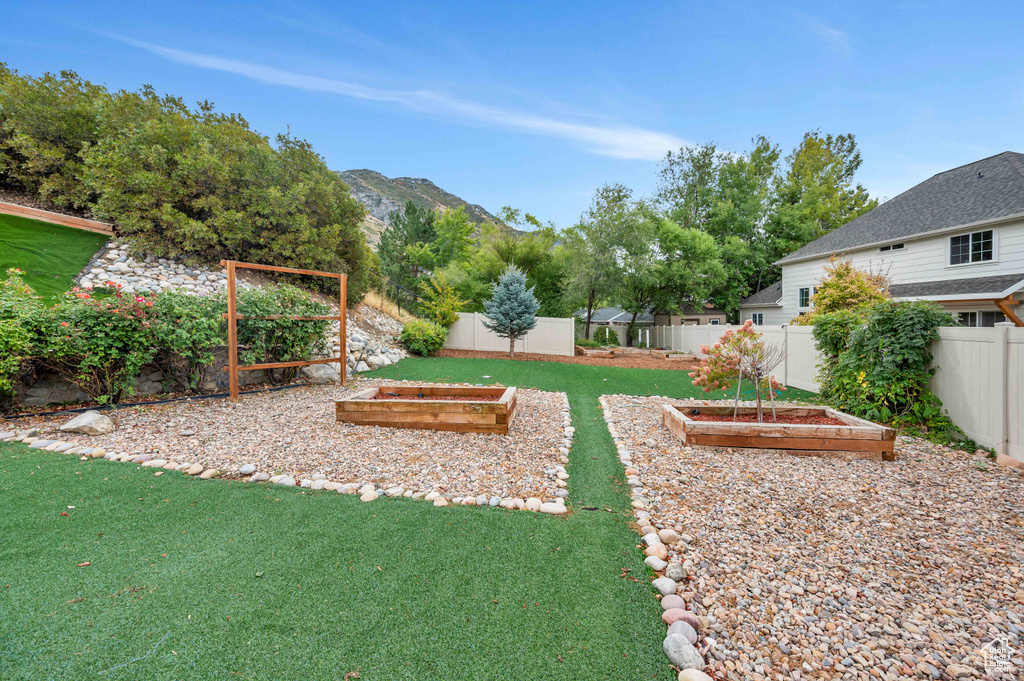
{"points": [[383, 195]]}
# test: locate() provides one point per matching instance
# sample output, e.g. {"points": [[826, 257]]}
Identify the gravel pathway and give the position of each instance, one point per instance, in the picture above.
{"points": [[294, 433], [802, 567]]}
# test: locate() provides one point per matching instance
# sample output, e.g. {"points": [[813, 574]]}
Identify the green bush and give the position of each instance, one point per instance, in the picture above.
{"points": [[880, 369], [279, 340], [19, 307], [584, 343], [423, 337], [186, 330], [441, 300], [186, 183], [606, 337]]}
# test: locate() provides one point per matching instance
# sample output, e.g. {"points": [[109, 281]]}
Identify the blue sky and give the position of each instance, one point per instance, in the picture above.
{"points": [[535, 105]]}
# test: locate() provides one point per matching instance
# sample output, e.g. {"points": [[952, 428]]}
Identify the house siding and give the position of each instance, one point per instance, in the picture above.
{"points": [[923, 259]]}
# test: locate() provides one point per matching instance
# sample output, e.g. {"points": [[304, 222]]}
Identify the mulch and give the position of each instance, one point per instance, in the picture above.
{"points": [[625, 362], [767, 418], [437, 398]]}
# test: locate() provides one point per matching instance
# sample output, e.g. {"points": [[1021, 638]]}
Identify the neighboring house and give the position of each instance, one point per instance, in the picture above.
{"points": [[616, 318], [689, 316], [957, 239]]}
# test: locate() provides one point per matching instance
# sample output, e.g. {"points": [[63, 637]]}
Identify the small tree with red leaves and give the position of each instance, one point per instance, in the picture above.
{"points": [[740, 354]]}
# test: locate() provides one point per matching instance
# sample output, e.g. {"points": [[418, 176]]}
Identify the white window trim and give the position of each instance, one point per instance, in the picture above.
{"points": [[810, 294], [995, 249]]}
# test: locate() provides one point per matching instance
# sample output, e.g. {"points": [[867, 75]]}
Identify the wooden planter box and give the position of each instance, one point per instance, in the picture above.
{"points": [[856, 439], [463, 415]]}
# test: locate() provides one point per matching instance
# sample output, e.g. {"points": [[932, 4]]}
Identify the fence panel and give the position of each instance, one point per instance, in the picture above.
{"points": [[551, 336], [801, 358], [968, 365]]}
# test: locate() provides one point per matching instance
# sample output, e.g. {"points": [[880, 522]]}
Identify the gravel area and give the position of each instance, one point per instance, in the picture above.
{"points": [[626, 362], [294, 433], [801, 567]]}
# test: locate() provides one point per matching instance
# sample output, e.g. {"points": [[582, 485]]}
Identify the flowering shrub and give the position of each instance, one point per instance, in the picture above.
{"points": [[99, 339]]}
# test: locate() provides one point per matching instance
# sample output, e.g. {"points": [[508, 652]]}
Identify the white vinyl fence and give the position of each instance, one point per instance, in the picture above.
{"points": [[551, 336], [979, 373], [979, 376], [799, 369]]}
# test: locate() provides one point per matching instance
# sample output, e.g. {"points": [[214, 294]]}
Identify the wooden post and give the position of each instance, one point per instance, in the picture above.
{"points": [[232, 334], [343, 367]]}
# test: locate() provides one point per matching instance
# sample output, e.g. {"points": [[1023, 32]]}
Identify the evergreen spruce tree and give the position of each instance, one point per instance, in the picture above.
{"points": [[512, 309]]}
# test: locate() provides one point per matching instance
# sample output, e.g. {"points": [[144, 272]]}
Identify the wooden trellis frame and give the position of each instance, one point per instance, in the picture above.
{"points": [[233, 317]]}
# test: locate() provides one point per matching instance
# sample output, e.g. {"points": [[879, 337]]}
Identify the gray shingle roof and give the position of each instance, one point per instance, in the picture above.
{"points": [[985, 190], [952, 287], [605, 314], [769, 295]]}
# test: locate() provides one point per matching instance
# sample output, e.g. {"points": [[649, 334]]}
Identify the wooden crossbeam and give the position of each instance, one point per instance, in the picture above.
{"points": [[232, 318]]}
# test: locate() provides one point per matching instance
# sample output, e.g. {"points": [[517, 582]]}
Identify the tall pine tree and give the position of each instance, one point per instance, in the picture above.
{"points": [[512, 309]]}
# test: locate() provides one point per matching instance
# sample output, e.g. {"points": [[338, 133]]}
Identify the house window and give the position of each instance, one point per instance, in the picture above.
{"points": [[984, 319], [891, 247], [965, 249], [990, 318], [714, 322], [757, 318], [805, 297]]}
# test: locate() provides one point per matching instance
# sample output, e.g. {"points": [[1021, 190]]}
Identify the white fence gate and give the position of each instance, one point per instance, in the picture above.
{"points": [[551, 336], [979, 373]]}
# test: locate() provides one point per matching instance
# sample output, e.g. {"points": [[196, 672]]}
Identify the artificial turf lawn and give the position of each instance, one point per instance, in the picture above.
{"points": [[267, 582], [50, 255]]}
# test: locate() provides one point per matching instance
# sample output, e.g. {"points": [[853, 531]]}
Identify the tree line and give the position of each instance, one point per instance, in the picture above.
{"points": [[709, 235]]}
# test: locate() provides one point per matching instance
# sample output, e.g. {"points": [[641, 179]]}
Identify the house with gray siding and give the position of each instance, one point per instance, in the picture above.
{"points": [[956, 239]]}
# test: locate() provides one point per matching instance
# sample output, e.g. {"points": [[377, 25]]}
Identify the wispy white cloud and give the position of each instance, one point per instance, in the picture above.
{"points": [[616, 141], [834, 39]]}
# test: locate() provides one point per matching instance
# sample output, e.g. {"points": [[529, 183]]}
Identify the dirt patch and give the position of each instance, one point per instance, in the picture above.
{"points": [[437, 398], [767, 418], [624, 362]]}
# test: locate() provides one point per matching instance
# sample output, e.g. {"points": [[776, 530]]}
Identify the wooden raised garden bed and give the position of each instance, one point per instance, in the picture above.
{"points": [[850, 438], [459, 408]]}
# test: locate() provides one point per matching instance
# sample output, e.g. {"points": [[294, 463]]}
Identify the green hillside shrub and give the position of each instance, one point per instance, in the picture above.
{"points": [[422, 337], [184, 183]]}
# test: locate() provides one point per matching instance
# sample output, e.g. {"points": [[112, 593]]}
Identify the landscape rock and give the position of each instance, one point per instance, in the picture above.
{"points": [[676, 571], [664, 585], [682, 653], [247, 469], [89, 423], [684, 628]]}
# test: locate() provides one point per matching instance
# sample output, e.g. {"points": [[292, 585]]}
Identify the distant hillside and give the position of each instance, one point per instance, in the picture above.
{"points": [[383, 195]]}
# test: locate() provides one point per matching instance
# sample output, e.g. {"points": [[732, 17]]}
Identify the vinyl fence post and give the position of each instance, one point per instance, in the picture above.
{"points": [[785, 354], [1002, 387]]}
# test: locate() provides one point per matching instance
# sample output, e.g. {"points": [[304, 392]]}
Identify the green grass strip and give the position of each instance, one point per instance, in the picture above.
{"points": [[50, 255]]}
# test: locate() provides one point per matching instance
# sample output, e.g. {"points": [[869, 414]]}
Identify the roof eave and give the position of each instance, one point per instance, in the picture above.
{"points": [[789, 260]]}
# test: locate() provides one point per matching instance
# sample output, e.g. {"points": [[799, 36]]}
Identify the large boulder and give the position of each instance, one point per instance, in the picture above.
{"points": [[90, 423], [320, 373]]}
